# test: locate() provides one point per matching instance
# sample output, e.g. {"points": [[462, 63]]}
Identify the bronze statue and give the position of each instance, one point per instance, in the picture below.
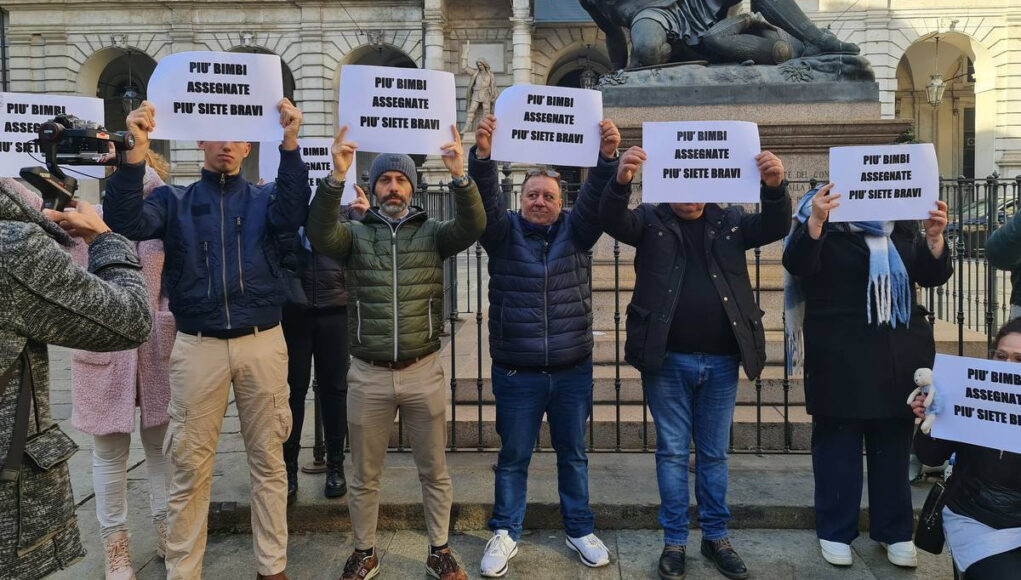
{"points": [[481, 89], [665, 31]]}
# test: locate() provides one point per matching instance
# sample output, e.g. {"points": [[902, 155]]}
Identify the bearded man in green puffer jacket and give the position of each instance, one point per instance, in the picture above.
{"points": [[394, 264]]}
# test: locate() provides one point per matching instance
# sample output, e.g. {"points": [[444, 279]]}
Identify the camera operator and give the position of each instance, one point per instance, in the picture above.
{"points": [[223, 278], [46, 299]]}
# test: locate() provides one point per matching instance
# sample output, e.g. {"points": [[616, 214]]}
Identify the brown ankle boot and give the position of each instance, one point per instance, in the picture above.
{"points": [[277, 576]]}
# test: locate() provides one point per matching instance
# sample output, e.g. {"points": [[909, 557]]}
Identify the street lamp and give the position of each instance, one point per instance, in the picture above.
{"points": [[131, 98], [936, 87]]}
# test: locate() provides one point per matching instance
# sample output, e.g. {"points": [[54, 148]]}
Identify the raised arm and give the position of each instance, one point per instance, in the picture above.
{"points": [[105, 308], [932, 265], [289, 206], [126, 212], [483, 171], [802, 255], [616, 219], [584, 218], [329, 236], [773, 221], [469, 215], [326, 234], [125, 209]]}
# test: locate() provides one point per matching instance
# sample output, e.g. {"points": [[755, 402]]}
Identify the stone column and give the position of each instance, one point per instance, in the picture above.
{"points": [[521, 22], [433, 24]]}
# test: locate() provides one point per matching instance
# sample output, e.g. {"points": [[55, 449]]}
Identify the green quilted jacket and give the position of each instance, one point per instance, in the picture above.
{"points": [[394, 270]]}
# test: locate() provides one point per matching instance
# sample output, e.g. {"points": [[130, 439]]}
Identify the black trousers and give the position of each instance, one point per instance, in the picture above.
{"points": [[998, 567], [837, 465], [320, 335]]}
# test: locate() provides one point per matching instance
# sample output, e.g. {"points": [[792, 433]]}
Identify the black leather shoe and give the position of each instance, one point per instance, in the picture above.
{"points": [[335, 484], [671, 563], [291, 464], [725, 558]]}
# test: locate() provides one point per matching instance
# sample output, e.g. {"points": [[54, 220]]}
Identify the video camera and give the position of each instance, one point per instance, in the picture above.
{"points": [[68, 140]]}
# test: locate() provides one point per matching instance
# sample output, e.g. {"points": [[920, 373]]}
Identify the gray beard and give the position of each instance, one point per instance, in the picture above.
{"points": [[394, 210]]}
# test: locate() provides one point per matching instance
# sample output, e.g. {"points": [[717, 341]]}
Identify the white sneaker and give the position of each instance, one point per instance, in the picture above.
{"points": [[836, 553], [902, 554], [591, 550], [499, 550]]}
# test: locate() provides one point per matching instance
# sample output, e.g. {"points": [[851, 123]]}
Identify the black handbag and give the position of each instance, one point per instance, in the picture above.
{"points": [[929, 532]]}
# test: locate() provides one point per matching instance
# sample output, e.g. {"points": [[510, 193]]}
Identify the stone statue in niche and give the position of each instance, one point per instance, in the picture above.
{"points": [[676, 31], [481, 89]]}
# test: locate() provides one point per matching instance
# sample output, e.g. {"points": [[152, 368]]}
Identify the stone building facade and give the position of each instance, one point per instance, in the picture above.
{"points": [[106, 48]]}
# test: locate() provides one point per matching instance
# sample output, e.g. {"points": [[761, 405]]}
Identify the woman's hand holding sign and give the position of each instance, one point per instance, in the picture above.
{"points": [[822, 204], [934, 227]]}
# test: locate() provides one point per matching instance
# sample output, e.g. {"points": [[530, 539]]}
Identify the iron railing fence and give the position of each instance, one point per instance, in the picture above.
{"points": [[975, 301]]}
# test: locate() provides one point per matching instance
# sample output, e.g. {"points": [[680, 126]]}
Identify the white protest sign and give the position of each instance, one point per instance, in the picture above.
{"points": [[701, 161], [315, 152], [554, 125], [980, 402], [21, 115], [217, 96], [884, 183], [397, 110]]}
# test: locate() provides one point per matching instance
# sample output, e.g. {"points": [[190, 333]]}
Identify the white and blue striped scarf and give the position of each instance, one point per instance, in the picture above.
{"points": [[888, 290]]}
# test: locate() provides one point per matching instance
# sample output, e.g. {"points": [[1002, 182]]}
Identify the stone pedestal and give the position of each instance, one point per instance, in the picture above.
{"points": [[797, 121]]}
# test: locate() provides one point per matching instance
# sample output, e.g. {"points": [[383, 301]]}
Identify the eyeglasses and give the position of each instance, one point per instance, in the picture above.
{"points": [[540, 172], [1003, 356]]}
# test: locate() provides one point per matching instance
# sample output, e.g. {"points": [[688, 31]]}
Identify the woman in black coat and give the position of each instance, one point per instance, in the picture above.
{"points": [[864, 337], [982, 514]]}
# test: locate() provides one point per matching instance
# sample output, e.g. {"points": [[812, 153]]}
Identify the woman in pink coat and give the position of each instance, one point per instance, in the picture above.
{"points": [[105, 389]]}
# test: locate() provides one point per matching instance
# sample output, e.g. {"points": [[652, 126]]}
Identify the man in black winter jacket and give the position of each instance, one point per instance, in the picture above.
{"points": [[223, 278], [692, 319], [315, 327]]}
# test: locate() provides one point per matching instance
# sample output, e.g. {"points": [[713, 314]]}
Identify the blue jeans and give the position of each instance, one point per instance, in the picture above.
{"points": [[522, 397], [692, 391]]}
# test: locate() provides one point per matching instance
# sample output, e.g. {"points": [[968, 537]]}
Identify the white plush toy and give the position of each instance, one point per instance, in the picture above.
{"points": [[923, 378]]}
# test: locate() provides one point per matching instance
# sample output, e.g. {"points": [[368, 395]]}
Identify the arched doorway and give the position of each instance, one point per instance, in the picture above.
{"points": [[119, 76], [376, 55], [961, 124], [578, 68], [250, 166]]}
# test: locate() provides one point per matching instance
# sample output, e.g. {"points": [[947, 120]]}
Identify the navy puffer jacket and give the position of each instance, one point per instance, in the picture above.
{"points": [[540, 299]]}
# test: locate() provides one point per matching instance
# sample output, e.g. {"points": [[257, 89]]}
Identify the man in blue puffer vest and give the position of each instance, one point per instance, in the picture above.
{"points": [[223, 278], [540, 339]]}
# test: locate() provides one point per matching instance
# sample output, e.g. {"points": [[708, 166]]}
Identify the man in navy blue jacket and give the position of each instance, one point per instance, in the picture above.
{"points": [[540, 339], [222, 276]]}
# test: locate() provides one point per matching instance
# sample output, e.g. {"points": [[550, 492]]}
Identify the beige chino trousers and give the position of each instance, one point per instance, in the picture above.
{"points": [[374, 395], [201, 373]]}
